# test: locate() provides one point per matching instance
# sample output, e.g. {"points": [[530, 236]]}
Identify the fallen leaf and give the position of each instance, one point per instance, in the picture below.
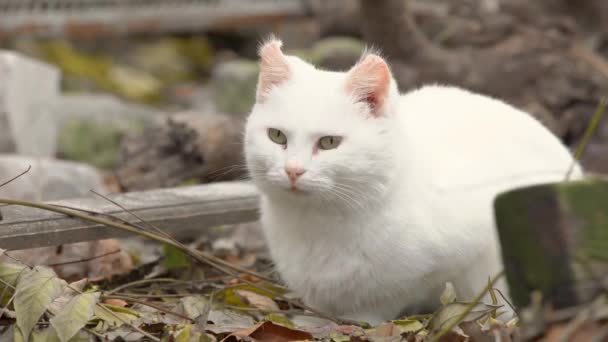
{"points": [[36, 289], [384, 332], [193, 306], [116, 302], [408, 325], [68, 293], [269, 332], [451, 313], [255, 300], [115, 318], [75, 315], [44, 335], [230, 296], [279, 319], [10, 272], [227, 321]]}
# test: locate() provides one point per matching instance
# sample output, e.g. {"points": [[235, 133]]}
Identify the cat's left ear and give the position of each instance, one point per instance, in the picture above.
{"points": [[274, 68], [369, 81]]}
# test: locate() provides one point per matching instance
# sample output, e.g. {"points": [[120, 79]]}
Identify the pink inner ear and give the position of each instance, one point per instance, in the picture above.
{"points": [[369, 81], [274, 69]]}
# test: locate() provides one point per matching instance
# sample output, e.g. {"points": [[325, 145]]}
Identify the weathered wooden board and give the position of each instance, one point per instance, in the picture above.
{"points": [[177, 210], [554, 239], [91, 18]]}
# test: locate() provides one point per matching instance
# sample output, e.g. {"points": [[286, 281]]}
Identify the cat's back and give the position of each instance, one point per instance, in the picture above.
{"points": [[463, 139]]}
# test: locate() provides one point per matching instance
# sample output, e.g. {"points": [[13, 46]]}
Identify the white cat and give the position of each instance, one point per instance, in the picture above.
{"points": [[372, 200]]}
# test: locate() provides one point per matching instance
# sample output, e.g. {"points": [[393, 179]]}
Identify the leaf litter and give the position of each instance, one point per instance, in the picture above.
{"points": [[208, 308], [195, 293]]}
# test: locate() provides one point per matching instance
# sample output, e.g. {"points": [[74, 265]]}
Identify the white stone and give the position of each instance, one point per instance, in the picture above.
{"points": [[48, 179], [28, 91]]}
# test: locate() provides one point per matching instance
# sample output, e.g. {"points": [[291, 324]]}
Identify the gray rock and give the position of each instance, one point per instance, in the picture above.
{"points": [[234, 85], [48, 179], [101, 108], [28, 91]]}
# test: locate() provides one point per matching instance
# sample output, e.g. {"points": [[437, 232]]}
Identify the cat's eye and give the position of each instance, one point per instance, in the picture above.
{"points": [[329, 142], [277, 136]]}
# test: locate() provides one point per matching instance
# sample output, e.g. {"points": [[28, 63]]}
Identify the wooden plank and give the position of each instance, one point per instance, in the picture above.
{"points": [[81, 18], [180, 211], [554, 239]]}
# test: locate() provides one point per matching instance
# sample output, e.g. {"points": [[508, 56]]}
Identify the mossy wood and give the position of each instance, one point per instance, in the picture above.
{"points": [[554, 239]]}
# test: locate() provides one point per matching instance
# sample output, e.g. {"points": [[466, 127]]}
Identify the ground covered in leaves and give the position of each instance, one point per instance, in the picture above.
{"points": [[178, 298]]}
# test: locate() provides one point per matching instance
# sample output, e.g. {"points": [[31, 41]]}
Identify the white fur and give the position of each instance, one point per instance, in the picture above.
{"points": [[404, 204]]}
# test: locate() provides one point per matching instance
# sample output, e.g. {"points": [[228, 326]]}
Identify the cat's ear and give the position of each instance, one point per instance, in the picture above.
{"points": [[274, 68], [369, 81]]}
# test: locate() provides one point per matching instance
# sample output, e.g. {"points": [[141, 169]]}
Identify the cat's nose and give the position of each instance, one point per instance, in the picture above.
{"points": [[294, 172]]}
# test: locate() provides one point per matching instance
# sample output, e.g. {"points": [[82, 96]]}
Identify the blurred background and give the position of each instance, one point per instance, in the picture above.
{"points": [[124, 95]]}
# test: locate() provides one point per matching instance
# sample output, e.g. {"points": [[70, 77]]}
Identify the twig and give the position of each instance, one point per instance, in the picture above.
{"points": [[153, 227], [469, 308], [183, 247], [595, 120], [286, 312], [143, 282], [85, 259], [16, 177], [591, 58], [143, 302], [141, 295], [506, 300]]}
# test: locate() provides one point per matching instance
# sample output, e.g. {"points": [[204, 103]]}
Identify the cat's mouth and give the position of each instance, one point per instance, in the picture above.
{"points": [[294, 189]]}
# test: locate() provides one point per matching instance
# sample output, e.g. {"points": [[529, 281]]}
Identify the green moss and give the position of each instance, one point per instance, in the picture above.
{"points": [[198, 50], [588, 202], [91, 142], [234, 83], [123, 80], [140, 73], [527, 266]]}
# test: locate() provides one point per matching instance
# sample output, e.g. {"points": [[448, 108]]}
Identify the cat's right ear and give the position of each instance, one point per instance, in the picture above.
{"points": [[369, 82], [274, 68]]}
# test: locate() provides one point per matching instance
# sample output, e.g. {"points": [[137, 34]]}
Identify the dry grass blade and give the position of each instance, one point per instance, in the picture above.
{"points": [[591, 128], [16, 177], [196, 255], [142, 282], [71, 262], [154, 306]]}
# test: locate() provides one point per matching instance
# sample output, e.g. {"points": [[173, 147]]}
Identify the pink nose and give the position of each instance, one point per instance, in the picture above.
{"points": [[294, 172]]}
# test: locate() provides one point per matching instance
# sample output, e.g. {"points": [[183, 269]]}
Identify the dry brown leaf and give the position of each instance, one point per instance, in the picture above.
{"points": [[116, 302], [257, 300], [269, 332]]}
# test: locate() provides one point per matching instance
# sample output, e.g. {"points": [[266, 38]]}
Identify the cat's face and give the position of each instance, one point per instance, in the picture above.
{"points": [[310, 135]]}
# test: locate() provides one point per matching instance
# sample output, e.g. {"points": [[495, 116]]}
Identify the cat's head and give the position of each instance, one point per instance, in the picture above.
{"points": [[318, 135]]}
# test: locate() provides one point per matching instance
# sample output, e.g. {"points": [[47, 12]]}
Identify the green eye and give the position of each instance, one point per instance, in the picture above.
{"points": [[277, 136], [329, 142]]}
